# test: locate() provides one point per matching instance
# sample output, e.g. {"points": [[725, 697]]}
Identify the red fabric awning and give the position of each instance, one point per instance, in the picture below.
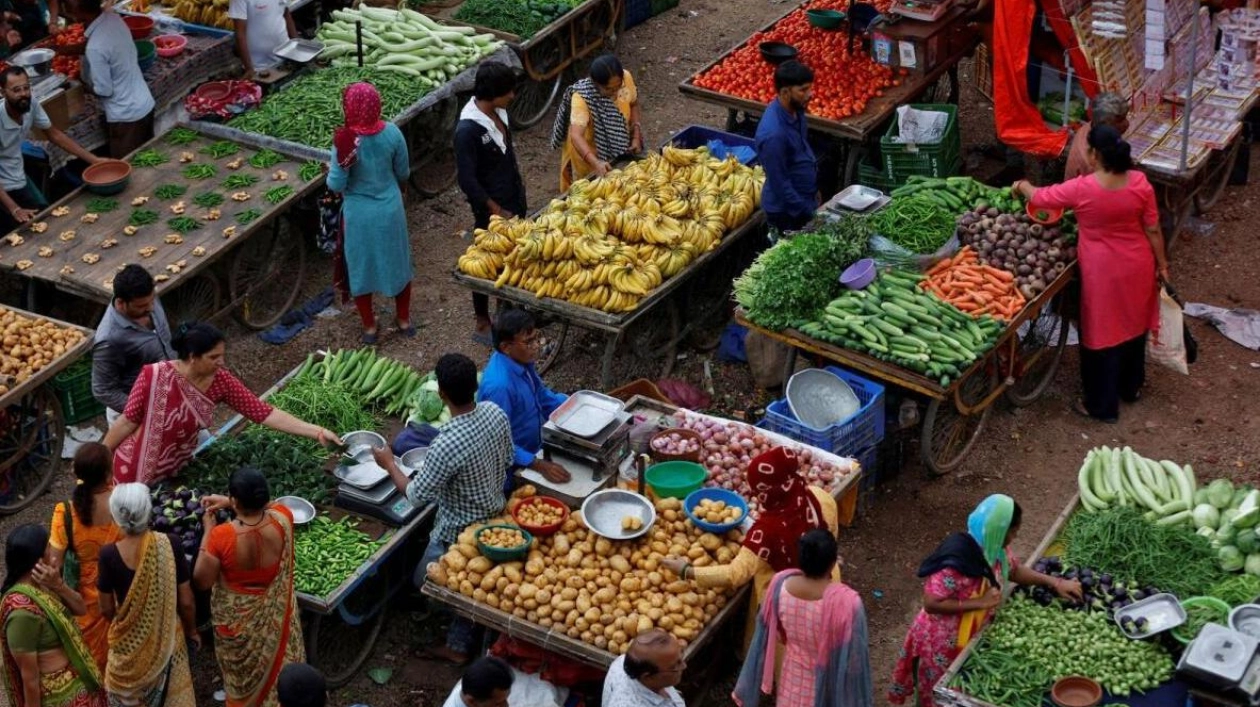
{"points": [[1019, 123]]}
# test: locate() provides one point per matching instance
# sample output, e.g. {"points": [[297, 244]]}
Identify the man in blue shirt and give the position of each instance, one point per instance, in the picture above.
{"points": [[511, 382], [790, 194]]}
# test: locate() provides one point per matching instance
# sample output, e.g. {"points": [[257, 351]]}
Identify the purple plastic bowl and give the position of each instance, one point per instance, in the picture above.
{"points": [[859, 274]]}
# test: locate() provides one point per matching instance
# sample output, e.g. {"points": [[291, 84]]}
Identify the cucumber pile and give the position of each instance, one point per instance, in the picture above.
{"points": [[959, 194], [894, 321], [381, 381], [1121, 477]]}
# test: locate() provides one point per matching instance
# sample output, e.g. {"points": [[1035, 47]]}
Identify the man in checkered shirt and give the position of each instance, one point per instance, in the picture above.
{"points": [[463, 475]]}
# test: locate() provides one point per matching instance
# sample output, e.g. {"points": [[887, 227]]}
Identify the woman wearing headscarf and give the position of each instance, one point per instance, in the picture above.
{"points": [[145, 592], [821, 624], [965, 579], [83, 525], [790, 507], [369, 165], [46, 662], [598, 122]]}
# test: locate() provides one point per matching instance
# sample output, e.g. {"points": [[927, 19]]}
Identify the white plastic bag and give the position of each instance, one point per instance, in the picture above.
{"points": [[1169, 348]]}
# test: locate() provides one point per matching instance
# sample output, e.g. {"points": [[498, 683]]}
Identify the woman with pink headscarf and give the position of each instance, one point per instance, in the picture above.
{"points": [[369, 164]]}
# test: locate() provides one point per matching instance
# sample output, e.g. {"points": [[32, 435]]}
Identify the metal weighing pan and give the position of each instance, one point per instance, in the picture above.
{"points": [[604, 510], [299, 50], [587, 413]]}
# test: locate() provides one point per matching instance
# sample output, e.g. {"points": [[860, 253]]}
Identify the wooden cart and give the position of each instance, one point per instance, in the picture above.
{"points": [[1195, 191], [1020, 365], [548, 55], [857, 136], [262, 266], [32, 429]]}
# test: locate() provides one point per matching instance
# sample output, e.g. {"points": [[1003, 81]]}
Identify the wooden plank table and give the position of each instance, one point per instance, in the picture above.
{"points": [[95, 281], [18, 391]]}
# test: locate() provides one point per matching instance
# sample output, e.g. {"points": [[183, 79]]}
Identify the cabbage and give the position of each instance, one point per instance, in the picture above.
{"points": [[1248, 511], [1209, 533], [1228, 515], [1225, 534], [1200, 496], [1206, 516], [1246, 541], [1240, 494], [1230, 558], [1253, 565], [1220, 493]]}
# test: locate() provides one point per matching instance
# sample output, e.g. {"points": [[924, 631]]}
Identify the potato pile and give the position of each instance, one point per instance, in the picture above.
{"points": [[717, 512], [535, 512], [29, 344], [595, 590], [502, 538]]}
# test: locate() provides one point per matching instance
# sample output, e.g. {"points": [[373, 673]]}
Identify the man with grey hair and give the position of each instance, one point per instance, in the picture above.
{"points": [[647, 674], [1106, 109]]}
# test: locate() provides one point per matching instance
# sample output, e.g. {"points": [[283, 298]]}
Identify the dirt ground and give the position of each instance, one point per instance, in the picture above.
{"points": [[1206, 419]]}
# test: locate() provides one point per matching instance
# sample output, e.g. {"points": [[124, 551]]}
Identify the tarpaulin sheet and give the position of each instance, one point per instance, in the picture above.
{"points": [[1019, 123]]}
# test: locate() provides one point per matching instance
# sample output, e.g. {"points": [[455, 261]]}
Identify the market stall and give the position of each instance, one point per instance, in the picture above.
{"points": [[627, 279], [188, 202], [299, 117], [32, 428], [980, 322], [1155, 625], [855, 95]]}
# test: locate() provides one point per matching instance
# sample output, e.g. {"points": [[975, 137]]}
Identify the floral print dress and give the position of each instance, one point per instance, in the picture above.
{"points": [[932, 642]]}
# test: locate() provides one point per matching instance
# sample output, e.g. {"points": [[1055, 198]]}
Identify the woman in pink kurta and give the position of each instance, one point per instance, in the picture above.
{"points": [[172, 401], [1121, 252]]}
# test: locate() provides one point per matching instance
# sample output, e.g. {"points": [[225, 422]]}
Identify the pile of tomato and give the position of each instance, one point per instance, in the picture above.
{"points": [[845, 78], [71, 36], [68, 66]]}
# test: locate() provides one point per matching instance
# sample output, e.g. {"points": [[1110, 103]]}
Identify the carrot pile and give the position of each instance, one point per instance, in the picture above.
{"points": [[973, 287]]}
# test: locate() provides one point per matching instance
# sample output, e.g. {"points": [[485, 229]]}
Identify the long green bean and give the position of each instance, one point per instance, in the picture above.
{"points": [[240, 181], [1122, 542], [265, 159], [199, 171], [148, 158], [170, 191], [915, 223], [278, 194], [208, 199], [182, 136], [221, 149]]}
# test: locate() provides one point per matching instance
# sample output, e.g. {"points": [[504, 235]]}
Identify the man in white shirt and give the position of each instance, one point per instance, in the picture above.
{"points": [[111, 66], [646, 675], [261, 27], [486, 683], [18, 115]]}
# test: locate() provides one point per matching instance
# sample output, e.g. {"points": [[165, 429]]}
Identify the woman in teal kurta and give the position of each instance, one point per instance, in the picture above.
{"points": [[369, 163]]}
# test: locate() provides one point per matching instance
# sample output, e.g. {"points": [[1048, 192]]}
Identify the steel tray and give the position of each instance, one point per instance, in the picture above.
{"points": [[587, 413], [603, 511], [299, 50], [1161, 611]]}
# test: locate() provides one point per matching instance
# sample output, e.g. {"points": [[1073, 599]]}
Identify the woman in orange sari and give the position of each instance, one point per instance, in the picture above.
{"points": [[249, 564], [84, 522]]}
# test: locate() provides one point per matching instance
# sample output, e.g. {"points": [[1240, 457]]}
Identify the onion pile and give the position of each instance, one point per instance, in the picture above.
{"points": [[730, 446], [1033, 253], [675, 444]]}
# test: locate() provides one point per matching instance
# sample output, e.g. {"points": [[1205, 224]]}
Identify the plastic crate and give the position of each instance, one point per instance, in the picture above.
{"points": [[855, 435], [637, 12], [694, 136], [74, 391], [942, 159]]}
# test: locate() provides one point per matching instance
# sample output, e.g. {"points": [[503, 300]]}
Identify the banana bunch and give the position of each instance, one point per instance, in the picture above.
{"points": [[480, 263], [211, 13]]}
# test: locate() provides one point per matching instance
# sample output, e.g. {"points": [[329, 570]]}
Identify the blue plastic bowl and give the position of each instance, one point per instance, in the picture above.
{"points": [[859, 274], [715, 494]]}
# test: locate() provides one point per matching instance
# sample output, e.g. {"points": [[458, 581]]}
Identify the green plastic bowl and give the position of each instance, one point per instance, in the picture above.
{"points": [[675, 479], [825, 19], [499, 554], [1183, 632]]}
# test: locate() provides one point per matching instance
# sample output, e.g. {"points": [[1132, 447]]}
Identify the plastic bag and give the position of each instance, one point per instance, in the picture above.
{"points": [[922, 127], [1169, 348], [889, 254]]}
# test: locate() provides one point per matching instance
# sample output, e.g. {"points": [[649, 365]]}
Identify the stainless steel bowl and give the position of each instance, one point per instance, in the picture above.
{"points": [[360, 442], [303, 510], [604, 511], [1245, 618], [413, 460], [37, 62]]}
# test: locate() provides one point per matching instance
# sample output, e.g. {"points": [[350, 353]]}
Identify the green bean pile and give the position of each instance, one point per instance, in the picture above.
{"points": [[100, 205], [309, 109], [142, 217], [278, 194], [265, 159], [208, 199], [327, 552], [1122, 542], [148, 158], [167, 192], [247, 216], [915, 223], [182, 136], [1001, 678], [221, 149], [1237, 589], [331, 406], [310, 170], [240, 181], [199, 171], [1198, 616], [183, 224]]}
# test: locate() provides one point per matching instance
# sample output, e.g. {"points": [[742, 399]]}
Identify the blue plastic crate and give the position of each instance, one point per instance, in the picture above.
{"points": [[637, 12], [694, 136], [859, 433]]}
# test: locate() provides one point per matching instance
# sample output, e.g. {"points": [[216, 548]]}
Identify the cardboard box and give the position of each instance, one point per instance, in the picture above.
{"points": [[919, 46], [63, 106]]}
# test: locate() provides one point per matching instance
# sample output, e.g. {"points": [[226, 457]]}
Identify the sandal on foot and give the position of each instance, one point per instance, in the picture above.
{"points": [[370, 339], [483, 338], [1079, 408]]}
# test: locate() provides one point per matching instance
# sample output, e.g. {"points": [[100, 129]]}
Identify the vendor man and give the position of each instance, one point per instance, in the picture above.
{"points": [[790, 193], [511, 382], [1106, 109], [20, 197], [261, 27], [111, 66], [647, 675], [133, 333]]}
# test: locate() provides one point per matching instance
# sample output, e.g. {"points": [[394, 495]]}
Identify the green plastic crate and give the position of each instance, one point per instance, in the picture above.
{"points": [[74, 391], [943, 159]]}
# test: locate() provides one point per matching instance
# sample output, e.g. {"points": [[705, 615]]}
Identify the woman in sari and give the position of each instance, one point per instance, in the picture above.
{"points": [[790, 507], [46, 662], [965, 579], [145, 592], [598, 122], [249, 564], [822, 624], [172, 401], [84, 522]]}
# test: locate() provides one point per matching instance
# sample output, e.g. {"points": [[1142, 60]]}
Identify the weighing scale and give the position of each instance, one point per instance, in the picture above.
{"points": [[589, 435], [1223, 661], [923, 10], [367, 490]]}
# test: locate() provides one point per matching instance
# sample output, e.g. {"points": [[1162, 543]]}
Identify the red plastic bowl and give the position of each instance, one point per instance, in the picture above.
{"points": [[139, 25], [214, 91], [169, 45], [1043, 215], [541, 530]]}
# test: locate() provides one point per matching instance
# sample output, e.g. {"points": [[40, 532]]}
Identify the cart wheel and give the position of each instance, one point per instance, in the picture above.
{"points": [[1172, 220], [432, 147], [533, 102], [338, 649], [948, 435], [553, 332], [1038, 356], [32, 433], [655, 338], [194, 301], [1211, 192], [267, 275]]}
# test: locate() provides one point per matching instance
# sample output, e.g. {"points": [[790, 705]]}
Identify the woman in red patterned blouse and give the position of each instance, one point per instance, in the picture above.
{"points": [[172, 401]]}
